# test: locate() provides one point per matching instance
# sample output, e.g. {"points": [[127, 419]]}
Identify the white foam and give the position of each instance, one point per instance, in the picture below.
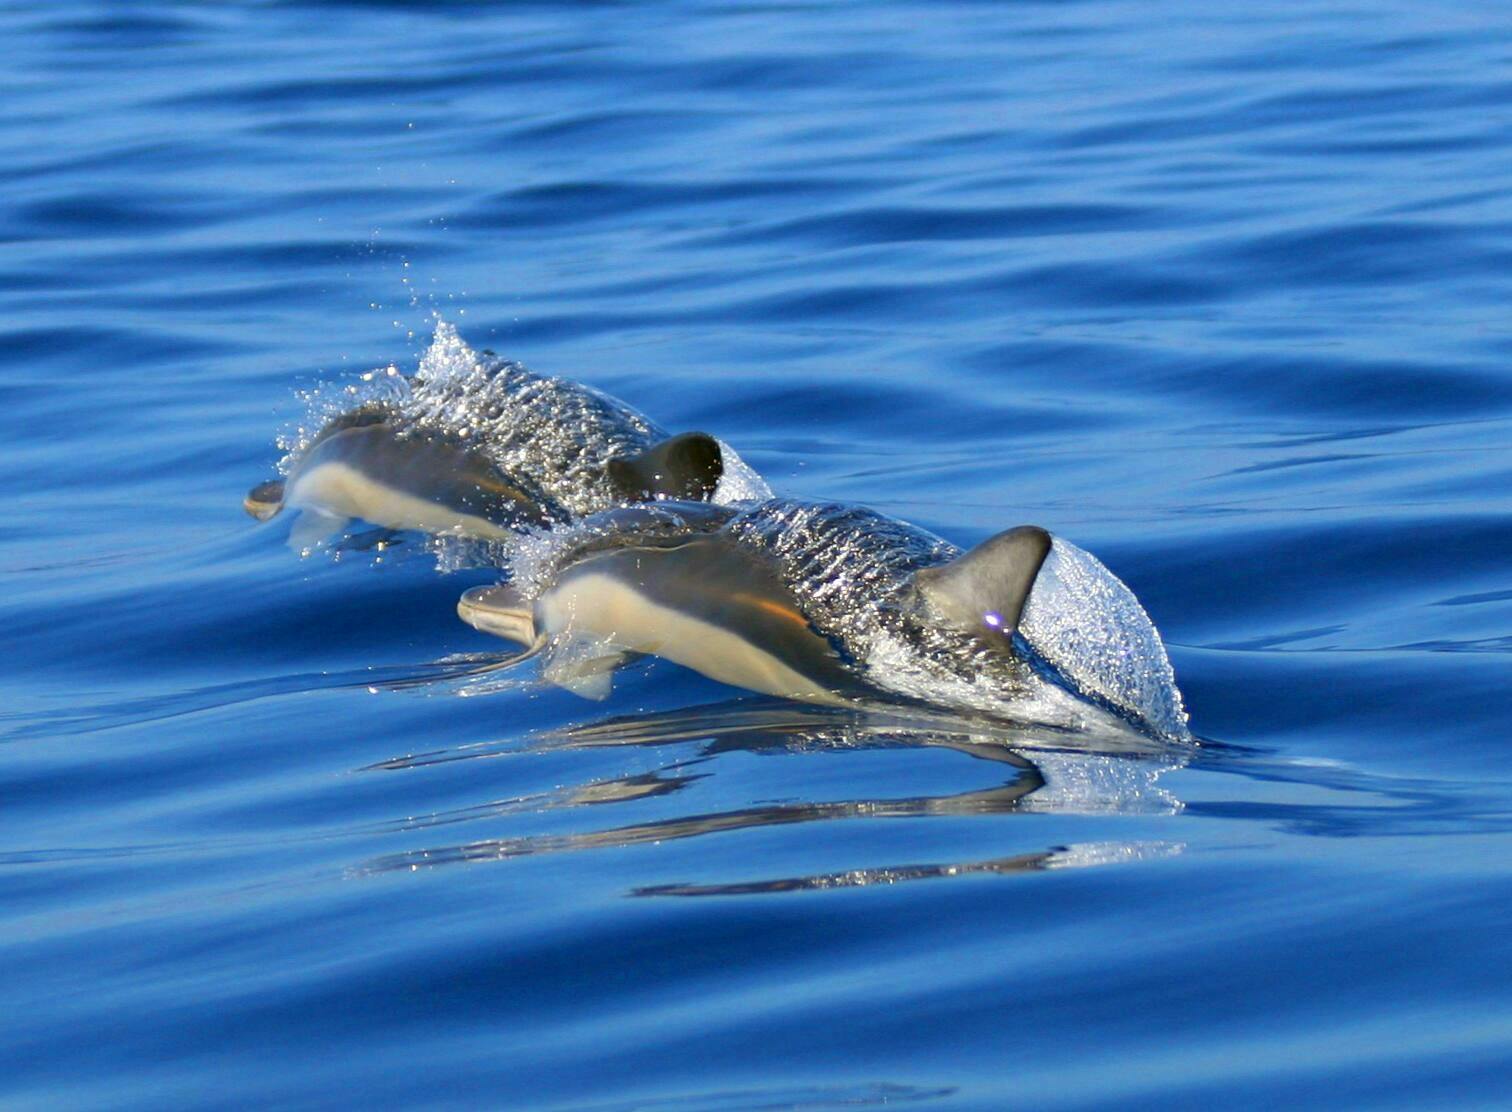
{"points": [[739, 482], [1091, 854], [328, 400], [1086, 623], [1088, 783]]}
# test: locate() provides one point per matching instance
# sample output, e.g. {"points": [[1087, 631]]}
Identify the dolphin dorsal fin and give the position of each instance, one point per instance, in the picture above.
{"points": [[985, 589], [687, 466]]}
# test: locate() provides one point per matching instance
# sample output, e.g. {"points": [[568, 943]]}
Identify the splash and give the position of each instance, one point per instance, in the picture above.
{"points": [[740, 483], [1084, 783], [552, 435], [1089, 626], [385, 386]]}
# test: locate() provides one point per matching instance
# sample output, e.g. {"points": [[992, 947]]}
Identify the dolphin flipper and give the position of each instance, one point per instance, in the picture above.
{"points": [[687, 467], [313, 527], [984, 590], [590, 678]]}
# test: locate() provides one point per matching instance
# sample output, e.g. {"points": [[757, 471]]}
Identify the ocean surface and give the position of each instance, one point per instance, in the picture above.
{"points": [[1220, 295]]}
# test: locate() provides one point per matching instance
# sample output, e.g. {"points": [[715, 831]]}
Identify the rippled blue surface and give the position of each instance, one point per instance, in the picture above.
{"points": [[1220, 296]]}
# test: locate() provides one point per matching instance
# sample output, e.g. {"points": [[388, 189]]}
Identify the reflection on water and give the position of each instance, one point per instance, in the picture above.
{"points": [[617, 790], [1061, 857], [808, 1096], [1081, 774]]}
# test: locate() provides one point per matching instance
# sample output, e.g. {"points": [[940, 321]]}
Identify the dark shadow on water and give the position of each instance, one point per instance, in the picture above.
{"points": [[1036, 771], [754, 723]]}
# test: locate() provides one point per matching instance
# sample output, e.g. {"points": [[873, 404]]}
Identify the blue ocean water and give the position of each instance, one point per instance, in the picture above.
{"points": [[1220, 295]]}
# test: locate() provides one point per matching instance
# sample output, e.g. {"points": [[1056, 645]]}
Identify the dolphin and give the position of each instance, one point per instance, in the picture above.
{"points": [[817, 602], [369, 465], [481, 447]]}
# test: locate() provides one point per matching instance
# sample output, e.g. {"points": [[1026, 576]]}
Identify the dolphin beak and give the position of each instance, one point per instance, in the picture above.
{"points": [[265, 499], [499, 610]]}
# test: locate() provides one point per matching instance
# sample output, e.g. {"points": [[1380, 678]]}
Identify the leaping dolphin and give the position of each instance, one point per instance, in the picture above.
{"points": [[481, 447], [815, 602], [371, 466]]}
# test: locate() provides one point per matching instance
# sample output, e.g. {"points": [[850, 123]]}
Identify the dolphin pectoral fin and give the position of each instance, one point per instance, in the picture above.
{"points": [[686, 467], [592, 678], [984, 590], [265, 499], [314, 527], [597, 687]]}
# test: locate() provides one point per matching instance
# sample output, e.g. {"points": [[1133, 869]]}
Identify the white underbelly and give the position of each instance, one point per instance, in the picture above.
{"points": [[607, 610], [335, 488]]}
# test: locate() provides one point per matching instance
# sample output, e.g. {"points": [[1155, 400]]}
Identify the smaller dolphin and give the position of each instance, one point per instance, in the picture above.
{"points": [[578, 448], [815, 602], [372, 465], [476, 445]]}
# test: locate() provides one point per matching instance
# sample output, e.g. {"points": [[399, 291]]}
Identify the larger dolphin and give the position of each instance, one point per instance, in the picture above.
{"points": [[815, 602]]}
